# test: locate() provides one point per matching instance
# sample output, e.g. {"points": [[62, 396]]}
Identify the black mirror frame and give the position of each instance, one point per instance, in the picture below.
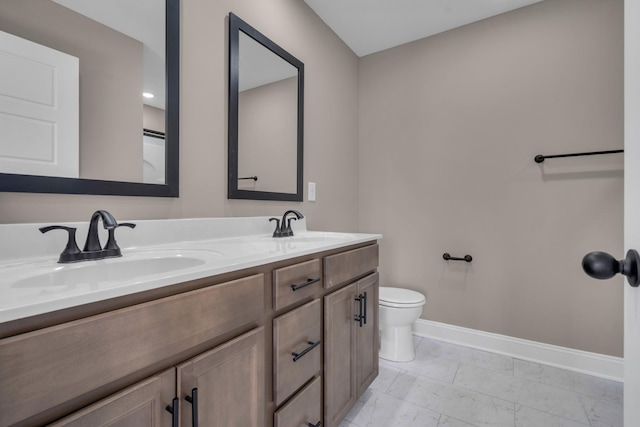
{"points": [[235, 26], [44, 184]]}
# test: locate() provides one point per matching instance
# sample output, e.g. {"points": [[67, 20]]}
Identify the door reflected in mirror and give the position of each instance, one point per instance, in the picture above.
{"points": [[153, 158], [265, 117], [123, 51]]}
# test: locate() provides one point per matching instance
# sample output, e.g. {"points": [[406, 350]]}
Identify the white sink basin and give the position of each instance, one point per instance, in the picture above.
{"points": [[110, 272]]}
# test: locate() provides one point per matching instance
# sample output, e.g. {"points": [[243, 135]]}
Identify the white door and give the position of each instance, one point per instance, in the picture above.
{"points": [[39, 109], [632, 209]]}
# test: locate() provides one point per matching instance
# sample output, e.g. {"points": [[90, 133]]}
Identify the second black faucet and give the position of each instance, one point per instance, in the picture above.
{"points": [[283, 228]]}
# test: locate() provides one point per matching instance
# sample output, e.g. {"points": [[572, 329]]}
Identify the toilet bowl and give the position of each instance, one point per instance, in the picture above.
{"points": [[398, 310]]}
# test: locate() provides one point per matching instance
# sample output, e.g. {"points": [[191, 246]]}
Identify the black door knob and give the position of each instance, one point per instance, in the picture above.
{"points": [[601, 265]]}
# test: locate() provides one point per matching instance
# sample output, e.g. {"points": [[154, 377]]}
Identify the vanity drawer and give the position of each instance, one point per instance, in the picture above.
{"points": [[345, 266], [65, 364], [297, 348], [305, 408], [295, 283]]}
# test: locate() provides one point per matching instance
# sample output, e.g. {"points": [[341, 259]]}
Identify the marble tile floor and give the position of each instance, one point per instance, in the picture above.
{"points": [[454, 386]]}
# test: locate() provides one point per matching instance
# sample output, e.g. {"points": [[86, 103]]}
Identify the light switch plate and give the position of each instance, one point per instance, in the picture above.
{"points": [[311, 192]]}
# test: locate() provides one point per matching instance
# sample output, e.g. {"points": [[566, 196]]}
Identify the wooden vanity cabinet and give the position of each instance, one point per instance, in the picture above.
{"points": [[339, 356], [225, 386], [302, 410], [343, 267], [143, 404], [50, 372], [368, 336], [297, 349], [350, 332], [351, 346], [224, 345], [213, 382], [296, 283]]}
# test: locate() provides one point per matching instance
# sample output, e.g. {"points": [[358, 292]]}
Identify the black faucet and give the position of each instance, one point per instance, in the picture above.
{"points": [[92, 243], [283, 228], [93, 250]]}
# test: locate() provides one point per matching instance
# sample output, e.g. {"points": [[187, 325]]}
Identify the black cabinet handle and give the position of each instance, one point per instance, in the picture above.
{"points": [[193, 399], [359, 317], [312, 345], [173, 410], [318, 424], [364, 311], [307, 283]]}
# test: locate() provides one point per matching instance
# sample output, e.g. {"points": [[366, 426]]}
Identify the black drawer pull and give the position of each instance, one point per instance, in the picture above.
{"points": [[312, 345], [193, 399], [318, 424], [173, 410], [307, 283]]}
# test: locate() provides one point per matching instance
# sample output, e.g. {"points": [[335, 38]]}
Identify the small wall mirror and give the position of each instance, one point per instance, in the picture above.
{"points": [[266, 97], [72, 111]]}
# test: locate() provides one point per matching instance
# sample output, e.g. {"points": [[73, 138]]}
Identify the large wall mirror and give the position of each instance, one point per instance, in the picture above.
{"points": [[89, 97], [266, 97]]}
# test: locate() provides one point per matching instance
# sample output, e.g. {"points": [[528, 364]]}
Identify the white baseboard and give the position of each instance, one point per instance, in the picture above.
{"points": [[595, 364]]}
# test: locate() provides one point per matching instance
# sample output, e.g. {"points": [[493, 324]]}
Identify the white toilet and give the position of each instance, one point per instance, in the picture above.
{"points": [[399, 308]]}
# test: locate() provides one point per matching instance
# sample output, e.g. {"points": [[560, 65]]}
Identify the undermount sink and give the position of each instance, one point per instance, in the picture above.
{"points": [[111, 271]]}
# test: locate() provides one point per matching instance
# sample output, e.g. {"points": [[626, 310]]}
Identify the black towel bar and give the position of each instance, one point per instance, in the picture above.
{"points": [[467, 258], [540, 158]]}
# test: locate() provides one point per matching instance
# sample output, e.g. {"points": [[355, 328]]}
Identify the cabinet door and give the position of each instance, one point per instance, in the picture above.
{"points": [[367, 336], [339, 354], [225, 384], [141, 405]]}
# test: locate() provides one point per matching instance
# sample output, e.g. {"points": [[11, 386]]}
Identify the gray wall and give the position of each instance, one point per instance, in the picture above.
{"points": [[449, 127]]}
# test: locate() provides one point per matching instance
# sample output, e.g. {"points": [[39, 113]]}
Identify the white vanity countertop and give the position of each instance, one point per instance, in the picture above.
{"points": [[156, 253]]}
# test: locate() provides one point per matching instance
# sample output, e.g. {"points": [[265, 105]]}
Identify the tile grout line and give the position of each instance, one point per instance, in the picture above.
{"points": [[558, 416], [533, 381], [586, 413], [566, 388], [453, 381]]}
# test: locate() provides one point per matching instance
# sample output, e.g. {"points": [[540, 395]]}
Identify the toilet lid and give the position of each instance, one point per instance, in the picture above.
{"points": [[400, 297]]}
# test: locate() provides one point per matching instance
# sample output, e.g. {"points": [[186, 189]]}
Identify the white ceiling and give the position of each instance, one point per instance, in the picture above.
{"points": [[369, 26]]}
